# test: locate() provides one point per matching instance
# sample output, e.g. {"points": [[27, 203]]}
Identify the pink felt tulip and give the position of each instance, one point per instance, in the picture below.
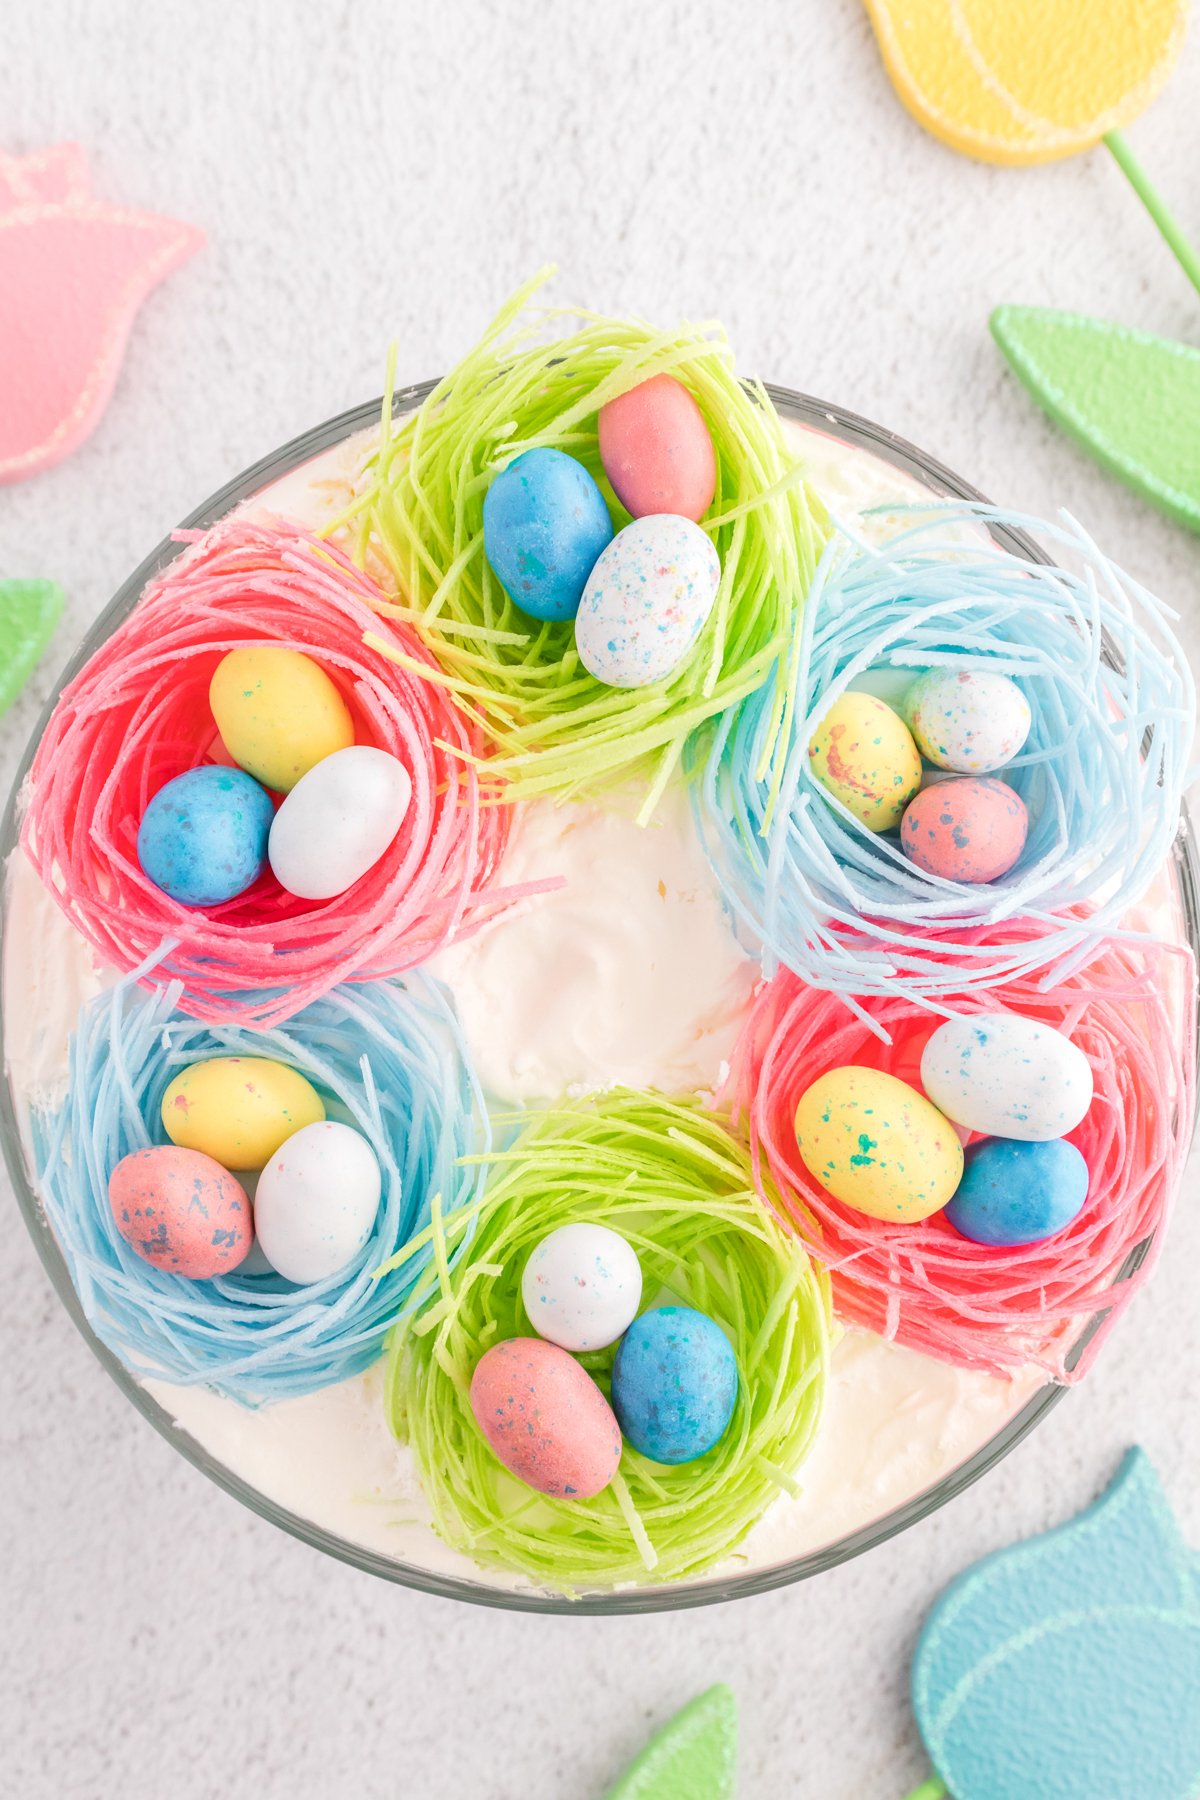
{"points": [[73, 273]]}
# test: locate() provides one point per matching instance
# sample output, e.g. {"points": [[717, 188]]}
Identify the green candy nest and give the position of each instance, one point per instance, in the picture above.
{"points": [[672, 1180], [552, 727]]}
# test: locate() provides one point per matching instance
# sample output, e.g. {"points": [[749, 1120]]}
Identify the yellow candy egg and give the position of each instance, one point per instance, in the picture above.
{"points": [[878, 1145], [239, 1109], [863, 753], [278, 713]]}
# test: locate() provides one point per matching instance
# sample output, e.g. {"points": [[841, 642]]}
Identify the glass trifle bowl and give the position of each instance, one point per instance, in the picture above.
{"points": [[902, 1433]]}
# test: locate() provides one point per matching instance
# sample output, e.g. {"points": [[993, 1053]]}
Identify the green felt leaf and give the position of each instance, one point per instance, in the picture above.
{"points": [[693, 1757], [1131, 399], [28, 614]]}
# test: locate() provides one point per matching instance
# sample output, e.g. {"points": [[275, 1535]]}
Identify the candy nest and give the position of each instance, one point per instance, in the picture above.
{"points": [[678, 1187], [1101, 773], [138, 714], [1131, 1013], [554, 728], [387, 1059]]}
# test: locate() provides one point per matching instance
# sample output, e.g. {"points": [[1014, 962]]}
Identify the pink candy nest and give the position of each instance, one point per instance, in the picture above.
{"points": [[138, 715], [922, 1284]]}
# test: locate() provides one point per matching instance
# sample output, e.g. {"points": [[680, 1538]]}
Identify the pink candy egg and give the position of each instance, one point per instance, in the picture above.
{"points": [[970, 830], [181, 1211], [657, 451], [545, 1418]]}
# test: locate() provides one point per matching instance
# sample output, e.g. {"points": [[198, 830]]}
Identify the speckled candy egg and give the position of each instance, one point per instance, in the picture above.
{"points": [[203, 837], [316, 1201], [657, 450], [878, 1145], [646, 601], [863, 754], [1019, 1193], [278, 713], [337, 821], [544, 524], [239, 1109], [582, 1286], [972, 829], [970, 720], [674, 1384], [1007, 1076], [181, 1211], [545, 1418]]}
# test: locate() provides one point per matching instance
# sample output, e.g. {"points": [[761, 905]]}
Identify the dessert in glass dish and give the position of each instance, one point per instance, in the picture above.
{"points": [[599, 1007]]}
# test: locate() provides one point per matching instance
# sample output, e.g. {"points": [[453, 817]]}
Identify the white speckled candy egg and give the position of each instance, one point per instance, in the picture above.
{"points": [[1007, 1076], [582, 1287], [337, 821], [646, 601], [970, 720], [316, 1202]]}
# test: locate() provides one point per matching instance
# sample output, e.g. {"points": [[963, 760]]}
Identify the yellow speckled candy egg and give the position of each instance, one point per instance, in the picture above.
{"points": [[878, 1145], [864, 755], [278, 713], [239, 1109]]}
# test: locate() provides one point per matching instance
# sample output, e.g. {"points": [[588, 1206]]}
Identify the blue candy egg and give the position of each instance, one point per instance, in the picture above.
{"points": [[544, 525], [203, 837], [1014, 1192], [674, 1384]]}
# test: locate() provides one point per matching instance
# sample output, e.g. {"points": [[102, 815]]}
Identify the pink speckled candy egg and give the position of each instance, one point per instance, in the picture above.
{"points": [[657, 451], [970, 830], [181, 1211], [545, 1418]]}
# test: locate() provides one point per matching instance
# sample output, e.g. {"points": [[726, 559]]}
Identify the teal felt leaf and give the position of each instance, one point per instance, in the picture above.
{"points": [[693, 1757], [28, 614], [1070, 1665], [1131, 399]]}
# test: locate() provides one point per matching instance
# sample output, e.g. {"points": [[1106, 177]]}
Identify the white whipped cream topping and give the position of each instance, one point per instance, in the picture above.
{"points": [[895, 1423], [628, 974]]}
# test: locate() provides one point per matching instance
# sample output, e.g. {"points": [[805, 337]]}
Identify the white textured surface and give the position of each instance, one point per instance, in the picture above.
{"points": [[379, 170]]}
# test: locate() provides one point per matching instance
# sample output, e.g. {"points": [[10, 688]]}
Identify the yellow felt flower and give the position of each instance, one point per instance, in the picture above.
{"points": [[1026, 81]]}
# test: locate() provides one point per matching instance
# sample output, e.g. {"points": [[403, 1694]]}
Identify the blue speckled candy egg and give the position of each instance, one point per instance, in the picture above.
{"points": [[1018, 1193], [971, 720], [1007, 1076], [674, 1384], [646, 601], [203, 837], [544, 525]]}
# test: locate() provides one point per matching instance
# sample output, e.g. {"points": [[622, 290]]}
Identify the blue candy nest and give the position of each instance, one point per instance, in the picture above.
{"points": [[1101, 774], [387, 1058]]}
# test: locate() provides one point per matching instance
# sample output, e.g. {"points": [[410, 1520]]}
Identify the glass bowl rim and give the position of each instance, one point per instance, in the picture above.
{"points": [[835, 422]]}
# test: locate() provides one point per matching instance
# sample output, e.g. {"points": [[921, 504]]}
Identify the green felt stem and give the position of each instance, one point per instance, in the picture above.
{"points": [[933, 1789], [1154, 204]]}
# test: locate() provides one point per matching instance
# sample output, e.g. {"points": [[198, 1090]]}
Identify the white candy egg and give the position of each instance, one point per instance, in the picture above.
{"points": [[1007, 1076], [582, 1287], [969, 720], [337, 821], [316, 1202], [646, 601]]}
